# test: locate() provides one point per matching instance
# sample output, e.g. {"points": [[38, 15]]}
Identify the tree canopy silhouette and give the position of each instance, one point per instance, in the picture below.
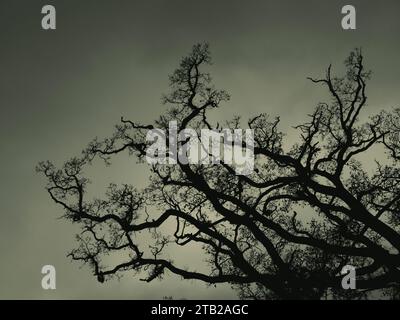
{"points": [[285, 231]]}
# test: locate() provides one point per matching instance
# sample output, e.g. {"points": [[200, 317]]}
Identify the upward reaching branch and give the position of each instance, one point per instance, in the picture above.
{"points": [[284, 231]]}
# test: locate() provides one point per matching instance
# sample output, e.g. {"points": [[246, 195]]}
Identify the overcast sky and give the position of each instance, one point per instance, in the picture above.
{"points": [[59, 89]]}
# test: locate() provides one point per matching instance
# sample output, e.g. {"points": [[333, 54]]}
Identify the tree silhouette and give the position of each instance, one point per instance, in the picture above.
{"points": [[285, 231]]}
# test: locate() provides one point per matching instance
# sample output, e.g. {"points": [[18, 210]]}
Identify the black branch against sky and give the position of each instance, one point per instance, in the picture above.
{"points": [[285, 231]]}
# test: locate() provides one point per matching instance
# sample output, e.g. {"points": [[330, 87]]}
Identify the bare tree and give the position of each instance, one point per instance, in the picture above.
{"points": [[285, 231]]}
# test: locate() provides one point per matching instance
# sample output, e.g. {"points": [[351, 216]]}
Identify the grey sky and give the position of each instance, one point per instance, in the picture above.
{"points": [[59, 89]]}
